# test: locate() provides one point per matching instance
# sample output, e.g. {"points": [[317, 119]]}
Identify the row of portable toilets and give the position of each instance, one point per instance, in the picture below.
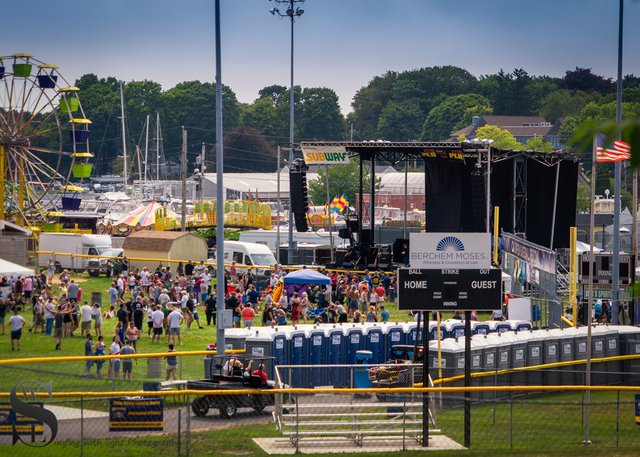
{"points": [[337, 344], [495, 345], [492, 353]]}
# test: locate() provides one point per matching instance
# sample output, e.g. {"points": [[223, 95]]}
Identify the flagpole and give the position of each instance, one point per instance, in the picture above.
{"points": [[326, 170], [587, 393], [615, 279]]}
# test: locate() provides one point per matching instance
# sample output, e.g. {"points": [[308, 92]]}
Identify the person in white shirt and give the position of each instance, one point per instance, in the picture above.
{"points": [[114, 364], [175, 319], [85, 319], [157, 316], [16, 322], [144, 277], [49, 315], [163, 298], [120, 283]]}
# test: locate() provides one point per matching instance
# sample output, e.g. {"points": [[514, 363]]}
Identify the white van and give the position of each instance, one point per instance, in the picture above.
{"points": [[243, 253]]}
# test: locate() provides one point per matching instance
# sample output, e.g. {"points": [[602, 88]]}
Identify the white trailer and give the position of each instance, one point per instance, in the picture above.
{"points": [[70, 243]]}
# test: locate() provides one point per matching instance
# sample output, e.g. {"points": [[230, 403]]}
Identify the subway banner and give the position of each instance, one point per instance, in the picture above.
{"points": [[136, 415], [327, 155]]}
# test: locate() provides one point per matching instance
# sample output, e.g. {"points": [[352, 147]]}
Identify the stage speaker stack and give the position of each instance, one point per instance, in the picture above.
{"points": [[299, 199], [400, 249]]}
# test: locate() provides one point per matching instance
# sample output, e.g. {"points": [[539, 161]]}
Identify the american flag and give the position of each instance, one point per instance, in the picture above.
{"points": [[621, 151]]}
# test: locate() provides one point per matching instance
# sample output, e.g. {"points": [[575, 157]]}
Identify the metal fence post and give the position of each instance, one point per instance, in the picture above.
{"points": [[511, 423], [404, 423], [297, 424], [81, 427], [179, 429], [618, 419], [188, 437]]}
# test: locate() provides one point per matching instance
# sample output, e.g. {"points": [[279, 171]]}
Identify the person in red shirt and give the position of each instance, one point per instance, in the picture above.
{"points": [[260, 372], [248, 315], [381, 292]]}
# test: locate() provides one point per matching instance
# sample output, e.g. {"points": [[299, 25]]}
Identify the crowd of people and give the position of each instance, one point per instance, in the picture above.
{"points": [[161, 306], [347, 297]]}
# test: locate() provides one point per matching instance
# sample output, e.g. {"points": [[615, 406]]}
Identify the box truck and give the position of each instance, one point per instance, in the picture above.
{"points": [[70, 243]]}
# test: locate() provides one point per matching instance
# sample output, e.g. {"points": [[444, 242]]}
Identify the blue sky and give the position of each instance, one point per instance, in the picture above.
{"points": [[340, 44]]}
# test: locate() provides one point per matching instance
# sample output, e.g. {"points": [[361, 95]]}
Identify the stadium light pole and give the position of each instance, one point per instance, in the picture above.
{"points": [[292, 12], [220, 282]]}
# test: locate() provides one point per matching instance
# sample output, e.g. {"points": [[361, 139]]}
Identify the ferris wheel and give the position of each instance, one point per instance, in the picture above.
{"points": [[44, 141]]}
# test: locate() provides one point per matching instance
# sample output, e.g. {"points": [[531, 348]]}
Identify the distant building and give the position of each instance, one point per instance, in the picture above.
{"points": [[523, 128]]}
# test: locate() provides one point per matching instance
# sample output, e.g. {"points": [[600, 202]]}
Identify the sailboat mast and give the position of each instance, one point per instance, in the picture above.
{"points": [[146, 150], [157, 146], [124, 137]]}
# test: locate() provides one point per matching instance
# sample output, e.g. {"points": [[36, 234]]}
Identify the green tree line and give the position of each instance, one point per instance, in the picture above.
{"points": [[425, 104]]}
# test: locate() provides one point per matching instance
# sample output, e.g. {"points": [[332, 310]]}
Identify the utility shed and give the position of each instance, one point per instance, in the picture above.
{"points": [[13, 242], [161, 246]]}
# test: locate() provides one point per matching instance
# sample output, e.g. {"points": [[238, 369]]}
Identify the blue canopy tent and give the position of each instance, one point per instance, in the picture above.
{"points": [[300, 280], [306, 276]]}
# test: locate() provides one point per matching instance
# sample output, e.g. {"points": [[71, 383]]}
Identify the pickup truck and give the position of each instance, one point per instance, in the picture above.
{"points": [[98, 266]]}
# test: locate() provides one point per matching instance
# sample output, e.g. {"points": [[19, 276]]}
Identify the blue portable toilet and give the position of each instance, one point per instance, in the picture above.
{"points": [[480, 328], [280, 349], [453, 328], [433, 335], [317, 355], [374, 342], [336, 355], [393, 335], [499, 326], [297, 342], [354, 341]]}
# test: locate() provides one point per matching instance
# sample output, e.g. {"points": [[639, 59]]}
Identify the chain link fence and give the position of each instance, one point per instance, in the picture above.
{"points": [[51, 408]]}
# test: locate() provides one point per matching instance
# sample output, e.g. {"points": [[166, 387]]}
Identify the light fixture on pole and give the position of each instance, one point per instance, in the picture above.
{"points": [[292, 12]]}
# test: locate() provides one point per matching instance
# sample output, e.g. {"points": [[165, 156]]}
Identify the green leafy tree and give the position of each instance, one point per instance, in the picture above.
{"points": [[583, 79], [193, 104], [583, 198], [502, 139], [319, 115], [246, 149], [261, 115], [537, 144], [452, 114], [400, 122], [562, 103], [369, 102], [343, 179]]}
